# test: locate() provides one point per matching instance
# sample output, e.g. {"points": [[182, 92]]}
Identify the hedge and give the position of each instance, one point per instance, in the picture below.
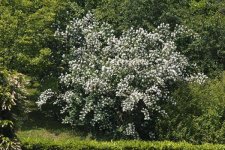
{"points": [[34, 144]]}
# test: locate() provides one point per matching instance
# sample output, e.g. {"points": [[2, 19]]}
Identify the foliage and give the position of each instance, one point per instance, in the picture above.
{"points": [[9, 144], [119, 145], [11, 93], [206, 17], [124, 14], [30, 51], [27, 42], [43, 143], [201, 113], [118, 85]]}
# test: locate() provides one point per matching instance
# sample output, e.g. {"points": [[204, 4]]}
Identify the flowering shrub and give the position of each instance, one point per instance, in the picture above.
{"points": [[12, 92], [118, 84]]}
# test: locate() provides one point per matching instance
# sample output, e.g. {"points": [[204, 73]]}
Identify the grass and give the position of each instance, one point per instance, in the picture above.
{"points": [[38, 127], [47, 135]]}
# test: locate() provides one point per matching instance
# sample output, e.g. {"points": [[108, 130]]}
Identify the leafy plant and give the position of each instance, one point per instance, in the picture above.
{"points": [[12, 92], [118, 85], [199, 113]]}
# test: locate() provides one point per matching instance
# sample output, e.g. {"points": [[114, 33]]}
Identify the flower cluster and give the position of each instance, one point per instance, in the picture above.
{"points": [[44, 97], [197, 78], [12, 89], [111, 78]]}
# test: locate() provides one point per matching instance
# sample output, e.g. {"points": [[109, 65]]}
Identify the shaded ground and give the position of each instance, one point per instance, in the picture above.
{"points": [[37, 125]]}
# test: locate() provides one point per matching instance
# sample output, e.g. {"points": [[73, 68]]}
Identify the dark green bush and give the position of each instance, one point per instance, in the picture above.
{"points": [[199, 113]]}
